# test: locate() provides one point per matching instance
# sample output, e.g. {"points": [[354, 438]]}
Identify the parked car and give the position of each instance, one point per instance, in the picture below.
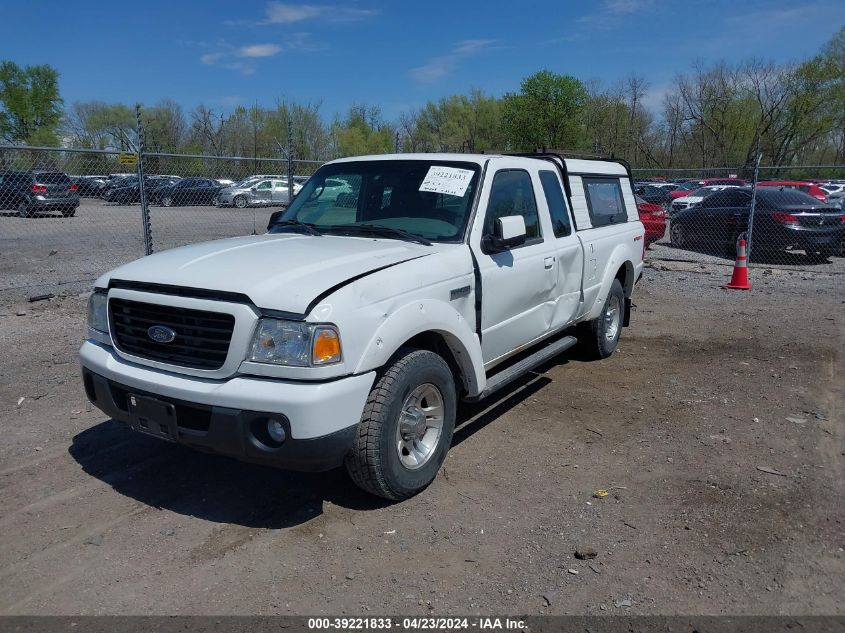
{"points": [[38, 191], [653, 218], [348, 334], [117, 182], [807, 187], [89, 186], [783, 219], [691, 185], [258, 192], [130, 191], [654, 194], [696, 196], [834, 190], [185, 191]]}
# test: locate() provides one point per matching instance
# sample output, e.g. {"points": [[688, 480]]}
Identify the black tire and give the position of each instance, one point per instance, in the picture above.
{"points": [[594, 336], [375, 462], [24, 210], [240, 202], [677, 235]]}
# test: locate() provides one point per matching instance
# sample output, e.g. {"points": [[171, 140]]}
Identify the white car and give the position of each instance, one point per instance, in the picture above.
{"points": [[685, 202], [347, 334], [256, 192], [834, 190]]}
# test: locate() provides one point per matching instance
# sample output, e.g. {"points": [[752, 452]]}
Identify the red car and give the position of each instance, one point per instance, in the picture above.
{"points": [[653, 218], [801, 185], [692, 185]]}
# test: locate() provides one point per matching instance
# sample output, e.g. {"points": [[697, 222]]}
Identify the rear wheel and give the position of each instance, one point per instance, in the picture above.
{"points": [[598, 338], [241, 202], [677, 235], [24, 209], [406, 427]]}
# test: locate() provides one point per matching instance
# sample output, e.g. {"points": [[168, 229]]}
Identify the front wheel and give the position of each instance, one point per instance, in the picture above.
{"points": [[406, 427], [241, 202], [599, 337]]}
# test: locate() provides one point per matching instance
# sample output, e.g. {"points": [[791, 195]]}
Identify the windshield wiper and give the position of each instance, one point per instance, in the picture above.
{"points": [[308, 228], [387, 231]]}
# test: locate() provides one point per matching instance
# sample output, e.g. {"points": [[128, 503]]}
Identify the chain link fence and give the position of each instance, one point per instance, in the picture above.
{"points": [[790, 217], [68, 215]]}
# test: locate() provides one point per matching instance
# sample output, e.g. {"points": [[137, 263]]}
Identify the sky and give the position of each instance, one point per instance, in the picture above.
{"points": [[397, 55]]}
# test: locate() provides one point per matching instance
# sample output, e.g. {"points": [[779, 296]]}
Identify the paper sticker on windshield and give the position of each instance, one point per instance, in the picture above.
{"points": [[448, 180]]}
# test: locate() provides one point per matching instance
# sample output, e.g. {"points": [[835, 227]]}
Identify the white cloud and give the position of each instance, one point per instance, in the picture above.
{"points": [[240, 59], [442, 65], [211, 58], [259, 50], [281, 13], [611, 13]]}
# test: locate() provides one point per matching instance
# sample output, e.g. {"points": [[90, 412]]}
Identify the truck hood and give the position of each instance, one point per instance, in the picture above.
{"points": [[281, 271]]}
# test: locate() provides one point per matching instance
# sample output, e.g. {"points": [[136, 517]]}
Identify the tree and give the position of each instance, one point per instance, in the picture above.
{"points": [[546, 112], [30, 105]]}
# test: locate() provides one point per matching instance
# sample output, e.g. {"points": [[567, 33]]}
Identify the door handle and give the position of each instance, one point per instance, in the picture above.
{"points": [[549, 262]]}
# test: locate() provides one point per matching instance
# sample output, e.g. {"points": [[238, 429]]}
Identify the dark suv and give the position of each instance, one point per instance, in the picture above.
{"points": [[31, 192]]}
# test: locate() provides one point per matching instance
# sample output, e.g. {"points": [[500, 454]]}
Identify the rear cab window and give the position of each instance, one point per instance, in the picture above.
{"points": [[604, 200], [556, 203]]}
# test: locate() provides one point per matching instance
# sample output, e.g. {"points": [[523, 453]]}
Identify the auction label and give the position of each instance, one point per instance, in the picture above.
{"points": [[449, 180], [419, 623]]}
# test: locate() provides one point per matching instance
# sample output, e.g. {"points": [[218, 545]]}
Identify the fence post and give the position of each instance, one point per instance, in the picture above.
{"points": [[754, 179], [290, 161], [142, 191]]}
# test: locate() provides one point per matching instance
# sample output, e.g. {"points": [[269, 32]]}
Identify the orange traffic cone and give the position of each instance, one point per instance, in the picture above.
{"points": [[739, 279]]}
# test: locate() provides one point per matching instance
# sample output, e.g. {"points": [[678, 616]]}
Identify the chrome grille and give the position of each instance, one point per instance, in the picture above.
{"points": [[202, 337]]}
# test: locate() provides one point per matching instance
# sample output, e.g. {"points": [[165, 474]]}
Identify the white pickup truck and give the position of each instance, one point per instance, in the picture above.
{"points": [[348, 332]]}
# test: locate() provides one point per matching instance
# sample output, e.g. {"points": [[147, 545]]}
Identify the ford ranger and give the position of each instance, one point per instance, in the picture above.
{"points": [[348, 333]]}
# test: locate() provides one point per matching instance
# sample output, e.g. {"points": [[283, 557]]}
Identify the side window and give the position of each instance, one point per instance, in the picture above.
{"points": [[557, 205], [265, 184], [604, 201], [513, 194]]}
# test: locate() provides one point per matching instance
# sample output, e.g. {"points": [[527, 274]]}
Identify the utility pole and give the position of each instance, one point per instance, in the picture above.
{"points": [[290, 160]]}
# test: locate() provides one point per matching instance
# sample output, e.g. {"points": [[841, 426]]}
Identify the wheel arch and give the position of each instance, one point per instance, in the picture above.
{"points": [[433, 326]]}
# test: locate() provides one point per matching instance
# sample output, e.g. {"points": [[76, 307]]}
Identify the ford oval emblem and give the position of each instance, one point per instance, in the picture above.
{"points": [[161, 334]]}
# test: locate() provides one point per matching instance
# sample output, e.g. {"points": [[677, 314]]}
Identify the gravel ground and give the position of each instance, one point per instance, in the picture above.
{"points": [[717, 429]]}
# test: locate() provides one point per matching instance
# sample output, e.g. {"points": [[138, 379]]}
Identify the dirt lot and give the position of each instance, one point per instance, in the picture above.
{"points": [[708, 388]]}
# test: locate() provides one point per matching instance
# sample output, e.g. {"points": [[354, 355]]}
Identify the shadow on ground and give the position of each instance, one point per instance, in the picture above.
{"points": [[223, 490]]}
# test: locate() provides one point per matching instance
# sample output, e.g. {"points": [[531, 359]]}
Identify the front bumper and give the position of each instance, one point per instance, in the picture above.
{"points": [[226, 417]]}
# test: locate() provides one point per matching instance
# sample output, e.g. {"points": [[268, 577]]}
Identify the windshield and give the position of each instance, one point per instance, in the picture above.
{"points": [[428, 199]]}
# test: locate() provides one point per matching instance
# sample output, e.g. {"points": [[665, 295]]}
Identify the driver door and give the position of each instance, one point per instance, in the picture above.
{"points": [[261, 193], [517, 285]]}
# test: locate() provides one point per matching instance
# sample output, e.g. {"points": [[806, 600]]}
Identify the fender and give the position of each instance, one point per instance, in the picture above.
{"points": [[621, 256], [428, 315]]}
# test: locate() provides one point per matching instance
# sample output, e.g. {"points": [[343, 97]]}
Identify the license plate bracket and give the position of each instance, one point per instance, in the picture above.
{"points": [[153, 417]]}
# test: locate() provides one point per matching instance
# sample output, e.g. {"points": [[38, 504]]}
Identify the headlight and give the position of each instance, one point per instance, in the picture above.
{"points": [[295, 344], [98, 314]]}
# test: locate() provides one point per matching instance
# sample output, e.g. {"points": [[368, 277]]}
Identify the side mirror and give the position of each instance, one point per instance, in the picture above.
{"points": [[508, 232]]}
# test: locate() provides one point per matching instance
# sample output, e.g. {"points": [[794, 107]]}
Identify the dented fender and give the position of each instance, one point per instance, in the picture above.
{"points": [[427, 315], [621, 256]]}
